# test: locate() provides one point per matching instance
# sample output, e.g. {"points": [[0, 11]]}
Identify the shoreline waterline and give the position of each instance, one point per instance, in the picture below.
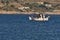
{"points": [[15, 12]]}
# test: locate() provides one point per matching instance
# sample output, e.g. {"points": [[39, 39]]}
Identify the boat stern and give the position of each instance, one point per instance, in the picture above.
{"points": [[30, 18]]}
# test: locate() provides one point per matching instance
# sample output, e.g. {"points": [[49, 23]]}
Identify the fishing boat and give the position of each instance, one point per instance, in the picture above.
{"points": [[41, 17]]}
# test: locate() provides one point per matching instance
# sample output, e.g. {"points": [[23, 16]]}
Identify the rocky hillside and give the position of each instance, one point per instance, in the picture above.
{"points": [[29, 0], [13, 5]]}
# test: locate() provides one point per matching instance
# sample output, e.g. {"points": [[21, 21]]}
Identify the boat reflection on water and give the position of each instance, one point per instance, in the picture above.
{"points": [[40, 17]]}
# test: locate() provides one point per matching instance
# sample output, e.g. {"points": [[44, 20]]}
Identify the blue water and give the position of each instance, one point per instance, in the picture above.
{"points": [[19, 27]]}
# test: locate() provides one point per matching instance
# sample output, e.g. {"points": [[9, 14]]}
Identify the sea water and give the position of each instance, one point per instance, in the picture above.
{"points": [[19, 27]]}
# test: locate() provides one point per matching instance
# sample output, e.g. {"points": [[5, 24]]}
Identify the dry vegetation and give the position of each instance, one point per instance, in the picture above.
{"points": [[13, 5]]}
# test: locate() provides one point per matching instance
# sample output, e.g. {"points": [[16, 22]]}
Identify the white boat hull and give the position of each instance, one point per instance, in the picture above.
{"points": [[39, 19]]}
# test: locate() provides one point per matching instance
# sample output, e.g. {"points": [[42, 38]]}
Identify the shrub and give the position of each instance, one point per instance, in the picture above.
{"points": [[12, 6]]}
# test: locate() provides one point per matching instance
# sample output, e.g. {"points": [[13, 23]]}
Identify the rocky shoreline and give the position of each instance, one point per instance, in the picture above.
{"points": [[15, 12]]}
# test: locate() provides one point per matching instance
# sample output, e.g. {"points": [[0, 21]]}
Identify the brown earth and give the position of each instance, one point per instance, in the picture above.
{"points": [[15, 12]]}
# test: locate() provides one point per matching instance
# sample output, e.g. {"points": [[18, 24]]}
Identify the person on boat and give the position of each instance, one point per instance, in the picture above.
{"points": [[39, 15]]}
